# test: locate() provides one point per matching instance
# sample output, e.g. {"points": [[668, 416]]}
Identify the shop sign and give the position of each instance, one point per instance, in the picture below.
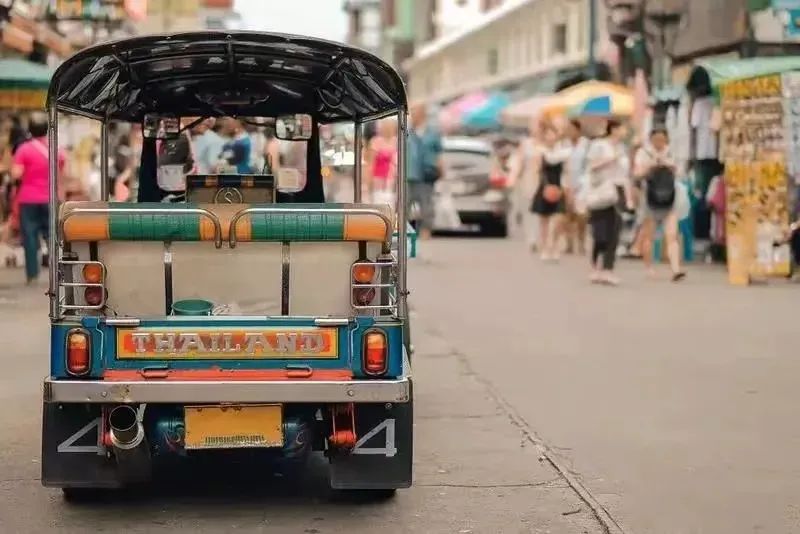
{"points": [[22, 99], [136, 9], [17, 38], [785, 4]]}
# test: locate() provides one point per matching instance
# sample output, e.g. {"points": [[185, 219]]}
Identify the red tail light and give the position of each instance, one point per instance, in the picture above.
{"points": [[363, 296], [78, 353], [498, 181], [94, 295], [375, 353]]}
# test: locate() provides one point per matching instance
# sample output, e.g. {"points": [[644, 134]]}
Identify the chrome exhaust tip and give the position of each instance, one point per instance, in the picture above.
{"points": [[125, 429], [128, 440]]}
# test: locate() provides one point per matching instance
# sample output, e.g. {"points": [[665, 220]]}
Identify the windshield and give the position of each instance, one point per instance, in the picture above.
{"points": [[150, 170]]}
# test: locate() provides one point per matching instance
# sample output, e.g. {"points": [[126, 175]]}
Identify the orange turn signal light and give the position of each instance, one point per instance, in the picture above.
{"points": [[92, 273], [363, 273], [375, 353]]}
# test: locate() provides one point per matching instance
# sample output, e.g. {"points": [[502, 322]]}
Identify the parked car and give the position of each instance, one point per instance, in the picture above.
{"points": [[472, 193]]}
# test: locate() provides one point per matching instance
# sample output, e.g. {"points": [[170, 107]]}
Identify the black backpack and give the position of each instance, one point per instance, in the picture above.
{"points": [[661, 188]]}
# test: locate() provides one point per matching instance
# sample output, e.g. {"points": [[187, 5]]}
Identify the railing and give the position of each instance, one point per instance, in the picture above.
{"points": [[315, 211], [148, 211]]}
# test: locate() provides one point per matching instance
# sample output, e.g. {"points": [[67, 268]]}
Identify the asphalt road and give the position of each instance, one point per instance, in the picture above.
{"points": [[477, 469], [670, 409], [674, 406]]}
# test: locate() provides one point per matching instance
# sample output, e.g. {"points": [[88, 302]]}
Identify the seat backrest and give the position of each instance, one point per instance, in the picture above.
{"points": [[102, 221]]}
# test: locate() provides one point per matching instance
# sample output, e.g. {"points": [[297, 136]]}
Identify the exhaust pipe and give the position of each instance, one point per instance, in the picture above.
{"points": [[131, 450]]}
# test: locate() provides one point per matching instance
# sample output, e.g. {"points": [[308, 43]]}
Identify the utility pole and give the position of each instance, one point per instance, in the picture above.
{"points": [[592, 61]]}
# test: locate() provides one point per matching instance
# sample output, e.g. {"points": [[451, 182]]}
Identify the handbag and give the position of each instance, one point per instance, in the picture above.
{"points": [[602, 196], [552, 193]]}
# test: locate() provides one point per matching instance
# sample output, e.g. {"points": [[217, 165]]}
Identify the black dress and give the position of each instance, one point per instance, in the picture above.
{"points": [[550, 175]]}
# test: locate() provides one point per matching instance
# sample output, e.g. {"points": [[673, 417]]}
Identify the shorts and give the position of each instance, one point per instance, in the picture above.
{"points": [[420, 203]]}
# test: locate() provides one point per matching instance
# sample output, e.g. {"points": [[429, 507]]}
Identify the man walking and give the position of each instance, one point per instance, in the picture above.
{"points": [[424, 167]]}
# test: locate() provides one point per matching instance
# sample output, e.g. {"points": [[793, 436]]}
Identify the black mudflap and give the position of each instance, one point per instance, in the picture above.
{"points": [[73, 455], [383, 454]]}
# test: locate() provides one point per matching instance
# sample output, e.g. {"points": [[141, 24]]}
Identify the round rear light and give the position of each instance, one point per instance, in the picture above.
{"points": [[94, 295], [364, 295], [363, 273], [92, 273]]}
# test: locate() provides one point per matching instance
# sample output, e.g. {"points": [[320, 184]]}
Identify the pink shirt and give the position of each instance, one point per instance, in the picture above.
{"points": [[32, 157]]}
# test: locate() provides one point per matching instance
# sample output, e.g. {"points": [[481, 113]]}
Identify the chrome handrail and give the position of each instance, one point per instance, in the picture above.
{"points": [[148, 211], [311, 211]]}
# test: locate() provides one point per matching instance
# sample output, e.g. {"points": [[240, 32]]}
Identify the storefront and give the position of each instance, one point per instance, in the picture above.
{"points": [[758, 136]]}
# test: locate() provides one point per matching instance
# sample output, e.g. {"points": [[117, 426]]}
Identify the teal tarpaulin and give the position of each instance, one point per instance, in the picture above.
{"points": [[487, 115], [23, 74]]}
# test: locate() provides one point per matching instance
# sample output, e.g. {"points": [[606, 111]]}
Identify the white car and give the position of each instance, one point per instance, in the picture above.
{"points": [[469, 196]]}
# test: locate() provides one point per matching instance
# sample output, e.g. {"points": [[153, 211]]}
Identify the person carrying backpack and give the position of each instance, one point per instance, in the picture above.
{"points": [[656, 171]]}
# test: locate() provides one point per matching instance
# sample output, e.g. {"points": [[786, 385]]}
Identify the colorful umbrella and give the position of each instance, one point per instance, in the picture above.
{"points": [[604, 106], [565, 100], [487, 116], [451, 114], [520, 114]]}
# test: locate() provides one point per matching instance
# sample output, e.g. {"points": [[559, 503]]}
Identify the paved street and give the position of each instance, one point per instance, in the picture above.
{"points": [[669, 409]]}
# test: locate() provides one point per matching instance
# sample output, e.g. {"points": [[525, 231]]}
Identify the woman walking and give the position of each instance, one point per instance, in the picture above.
{"points": [[607, 188], [655, 170], [31, 166], [382, 161], [548, 201]]}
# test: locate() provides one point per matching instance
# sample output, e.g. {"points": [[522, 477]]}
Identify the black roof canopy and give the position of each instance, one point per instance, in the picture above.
{"points": [[226, 73]]}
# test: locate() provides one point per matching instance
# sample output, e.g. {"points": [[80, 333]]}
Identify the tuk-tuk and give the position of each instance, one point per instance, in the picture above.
{"points": [[234, 313]]}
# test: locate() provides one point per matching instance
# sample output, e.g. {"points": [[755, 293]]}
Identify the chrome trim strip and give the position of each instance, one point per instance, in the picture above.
{"points": [[53, 248], [167, 279], [250, 391], [329, 211], [357, 141], [332, 321], [149, 211], [285, 269], [121, 321], [402, 229], [104, 161]]}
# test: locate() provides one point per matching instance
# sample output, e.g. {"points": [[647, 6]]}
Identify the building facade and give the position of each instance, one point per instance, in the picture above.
{"points": [[525, 44], [364, 28], [167, 16]]}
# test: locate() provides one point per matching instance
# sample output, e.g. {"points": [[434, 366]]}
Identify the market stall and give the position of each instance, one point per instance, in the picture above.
{"points": [[758, 138], [23, 85]]}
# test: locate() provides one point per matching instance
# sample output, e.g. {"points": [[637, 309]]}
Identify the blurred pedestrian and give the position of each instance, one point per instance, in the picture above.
{"points": [[424, 167], [655, 170], [208, 145], [237, 151], [548, 202], [32, 168], [381, 161], [523, 182], [607, 188], [126, 184], [575, 220]]}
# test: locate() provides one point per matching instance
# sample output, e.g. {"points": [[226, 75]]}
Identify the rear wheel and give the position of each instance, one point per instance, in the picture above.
{"points": [[495, 228], [81, 495], [366, 496]]}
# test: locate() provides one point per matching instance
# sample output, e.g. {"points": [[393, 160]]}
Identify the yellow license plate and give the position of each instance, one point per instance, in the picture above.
{"points": [[234, 427]]}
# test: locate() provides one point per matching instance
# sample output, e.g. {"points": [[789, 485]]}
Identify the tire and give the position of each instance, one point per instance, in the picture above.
{"points": [[365, 496], [81, 495], [495, 228]]}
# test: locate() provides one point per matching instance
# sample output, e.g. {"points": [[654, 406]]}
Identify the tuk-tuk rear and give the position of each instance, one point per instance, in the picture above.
{"points": [[250, 316]]}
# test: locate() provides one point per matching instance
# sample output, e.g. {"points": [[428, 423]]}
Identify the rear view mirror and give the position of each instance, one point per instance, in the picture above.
{"points": [[293, 127], [161, 126]]}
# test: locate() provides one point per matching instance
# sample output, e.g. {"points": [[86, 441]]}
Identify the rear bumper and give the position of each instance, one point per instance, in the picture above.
{"points": [[250, 391]]}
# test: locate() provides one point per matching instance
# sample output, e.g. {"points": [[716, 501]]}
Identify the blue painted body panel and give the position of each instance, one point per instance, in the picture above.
{"points": [[103, 345]]}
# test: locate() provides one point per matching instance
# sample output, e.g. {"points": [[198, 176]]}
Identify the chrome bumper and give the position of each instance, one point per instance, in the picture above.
{"points": [[191, 392]]}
